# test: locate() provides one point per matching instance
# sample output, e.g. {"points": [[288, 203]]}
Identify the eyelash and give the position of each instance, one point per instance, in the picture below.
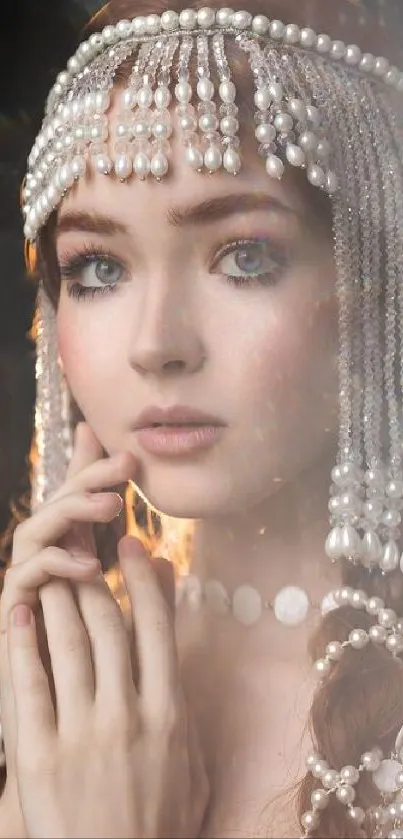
{"points": [[72, 268]]}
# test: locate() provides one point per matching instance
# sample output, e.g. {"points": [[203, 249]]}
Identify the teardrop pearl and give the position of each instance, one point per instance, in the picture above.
{"points": [[232, 162], [333, 546], [391, 556], [371, 548], [350, 542]]}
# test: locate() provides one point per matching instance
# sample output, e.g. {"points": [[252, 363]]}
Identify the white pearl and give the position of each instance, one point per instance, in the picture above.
{"points": [[169, 21], [229, 126], [291, 606], [295, 155], [227, 92], [322, 666], [78, 166], [188, 123], [194, 158], [241, 20], [103, 164], [308, 38], [381, 66], [329, 604], [129, 98], [74, 65], [64, 79], [283, 123], [391, 556], [109, 34], [323, 44], [123, 166], [387, 618], [359, 599], [247, 605], [102, 101], [162, 97], [353, 54], [308, 141], [260, 24], [371, 760], [162, 130], [292, 34], [277, 29], [313, 115], [332, 182], [345, 794], [333, 546], [338, 49], [208, 123], [334, 650], [367, 62], [394, 489], [319, 768], [232, 162], [141, 165], [265, 133], [96, 41], [124, 28], [350, 542], [66, 177], [188, 19], [394, 644], [57, 90], [310, 820], [224, 16], [392, 76], [356, 814], [213, 159], [374, 605], [274, 167], [316, 176], [319, 799], [142, 130], [358, 639], [183, 92], [145, 97], [385, 776], [330, 779], [153, 24], [206, 17], [263, 99], [205, 89], [159, 165], [216, 597], [378, 634], [139, 26], [297, 109]]}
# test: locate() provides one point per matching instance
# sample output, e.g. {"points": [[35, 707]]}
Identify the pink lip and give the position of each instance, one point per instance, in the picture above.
{"points": [[175, 416], [175, 440]]}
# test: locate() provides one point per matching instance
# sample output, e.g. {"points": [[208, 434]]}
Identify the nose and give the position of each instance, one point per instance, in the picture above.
{"points": [[166, 338]]}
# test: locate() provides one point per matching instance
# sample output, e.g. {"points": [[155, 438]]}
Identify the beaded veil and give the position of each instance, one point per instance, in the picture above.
{"points": [[326, 105]]}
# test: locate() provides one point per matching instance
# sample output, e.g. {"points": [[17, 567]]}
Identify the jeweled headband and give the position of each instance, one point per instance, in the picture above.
{"points": [[77, 134]]}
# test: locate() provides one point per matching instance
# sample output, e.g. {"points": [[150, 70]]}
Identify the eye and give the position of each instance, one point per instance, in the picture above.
{"points": [[93, 273], [248, 261]]}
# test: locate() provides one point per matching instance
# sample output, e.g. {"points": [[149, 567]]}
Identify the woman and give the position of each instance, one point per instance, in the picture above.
{"points": [[230, 342]]}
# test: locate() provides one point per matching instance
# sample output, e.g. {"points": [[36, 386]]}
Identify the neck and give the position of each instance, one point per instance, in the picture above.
{"points": [[279, 543]]}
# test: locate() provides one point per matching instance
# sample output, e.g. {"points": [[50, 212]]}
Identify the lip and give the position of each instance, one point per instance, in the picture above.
{"points": [[178, 415]]}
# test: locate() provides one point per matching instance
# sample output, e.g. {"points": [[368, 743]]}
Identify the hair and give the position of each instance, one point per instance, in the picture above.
{"points": [[355, 707]]}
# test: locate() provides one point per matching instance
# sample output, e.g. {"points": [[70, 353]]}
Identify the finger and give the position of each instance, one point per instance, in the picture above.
{"points": [[70, 653], [33, 705], [53, 520], [22, 581], [104, 624], [166, 578], [155, 634], [87, 450], [107, 472]]}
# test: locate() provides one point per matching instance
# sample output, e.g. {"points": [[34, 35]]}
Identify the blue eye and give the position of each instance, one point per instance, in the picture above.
{"points": [[93, 274], [250, 261]]}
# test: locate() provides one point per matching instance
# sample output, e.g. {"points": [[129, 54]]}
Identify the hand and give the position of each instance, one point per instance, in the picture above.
{"points": [[152, 782]]}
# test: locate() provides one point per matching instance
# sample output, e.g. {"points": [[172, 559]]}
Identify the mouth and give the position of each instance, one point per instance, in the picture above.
{"points": [[176, 417], [177, 431]]}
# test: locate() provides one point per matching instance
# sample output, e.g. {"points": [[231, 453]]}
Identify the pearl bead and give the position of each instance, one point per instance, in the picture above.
{"points": [[356, 814], [384, 777], [381, 66], [319, 799], [334, 650], [316, 175], [310, 820], [162, 97], [64, 79], [283, 123], [391, 556], [232, 162], [297, 109], [308, 38], [78, 166], [103, 164], [183, 92], [260, 24], [206, 17], [274, 167], [367, 62], [394, 644], [205, 90], [188, 19], [227, 92], [277, 29], [241, 20], [313, 115], [153, 24], [333, 547], [349, 775], [224, 16], [345, 794], [291, 606], [123, 166], [66, 177], [371, 760], [162, 130], [323, 44], [392, 76], [358, 639], [295, 155], [208, 123], [74, 65], [374, 605], [330, 779], [169, 21], [322, 666], [353, 54], [387, 618], [129, 98], [338, 50], [359, 599], [188, 123], [141, 165], [109, 34], [378, 634], [308, 141], [124, 28], [229, 126], [145, 97], [159, 165], [276, 91], [312, 759], [263, 99], [247, 605], [265, 133], [213, 159], [292, 34], [394, 489], [194, 158]]}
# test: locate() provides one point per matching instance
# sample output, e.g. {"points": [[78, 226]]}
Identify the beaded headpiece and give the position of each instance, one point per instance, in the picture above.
{"points": [[323, 106]]}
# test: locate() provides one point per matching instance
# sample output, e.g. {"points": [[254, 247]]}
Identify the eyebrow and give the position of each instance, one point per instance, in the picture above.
{"points": [[211, 210]]}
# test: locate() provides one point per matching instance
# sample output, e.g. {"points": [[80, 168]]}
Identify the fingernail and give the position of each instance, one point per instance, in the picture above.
{"points": [[22, 615], [119, 504]]}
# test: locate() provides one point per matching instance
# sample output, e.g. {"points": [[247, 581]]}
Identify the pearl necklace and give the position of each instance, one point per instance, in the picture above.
{"points": [[290, 605]]}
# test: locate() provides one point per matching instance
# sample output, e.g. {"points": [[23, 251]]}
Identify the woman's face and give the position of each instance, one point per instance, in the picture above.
{"points": [[213, 293]]}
